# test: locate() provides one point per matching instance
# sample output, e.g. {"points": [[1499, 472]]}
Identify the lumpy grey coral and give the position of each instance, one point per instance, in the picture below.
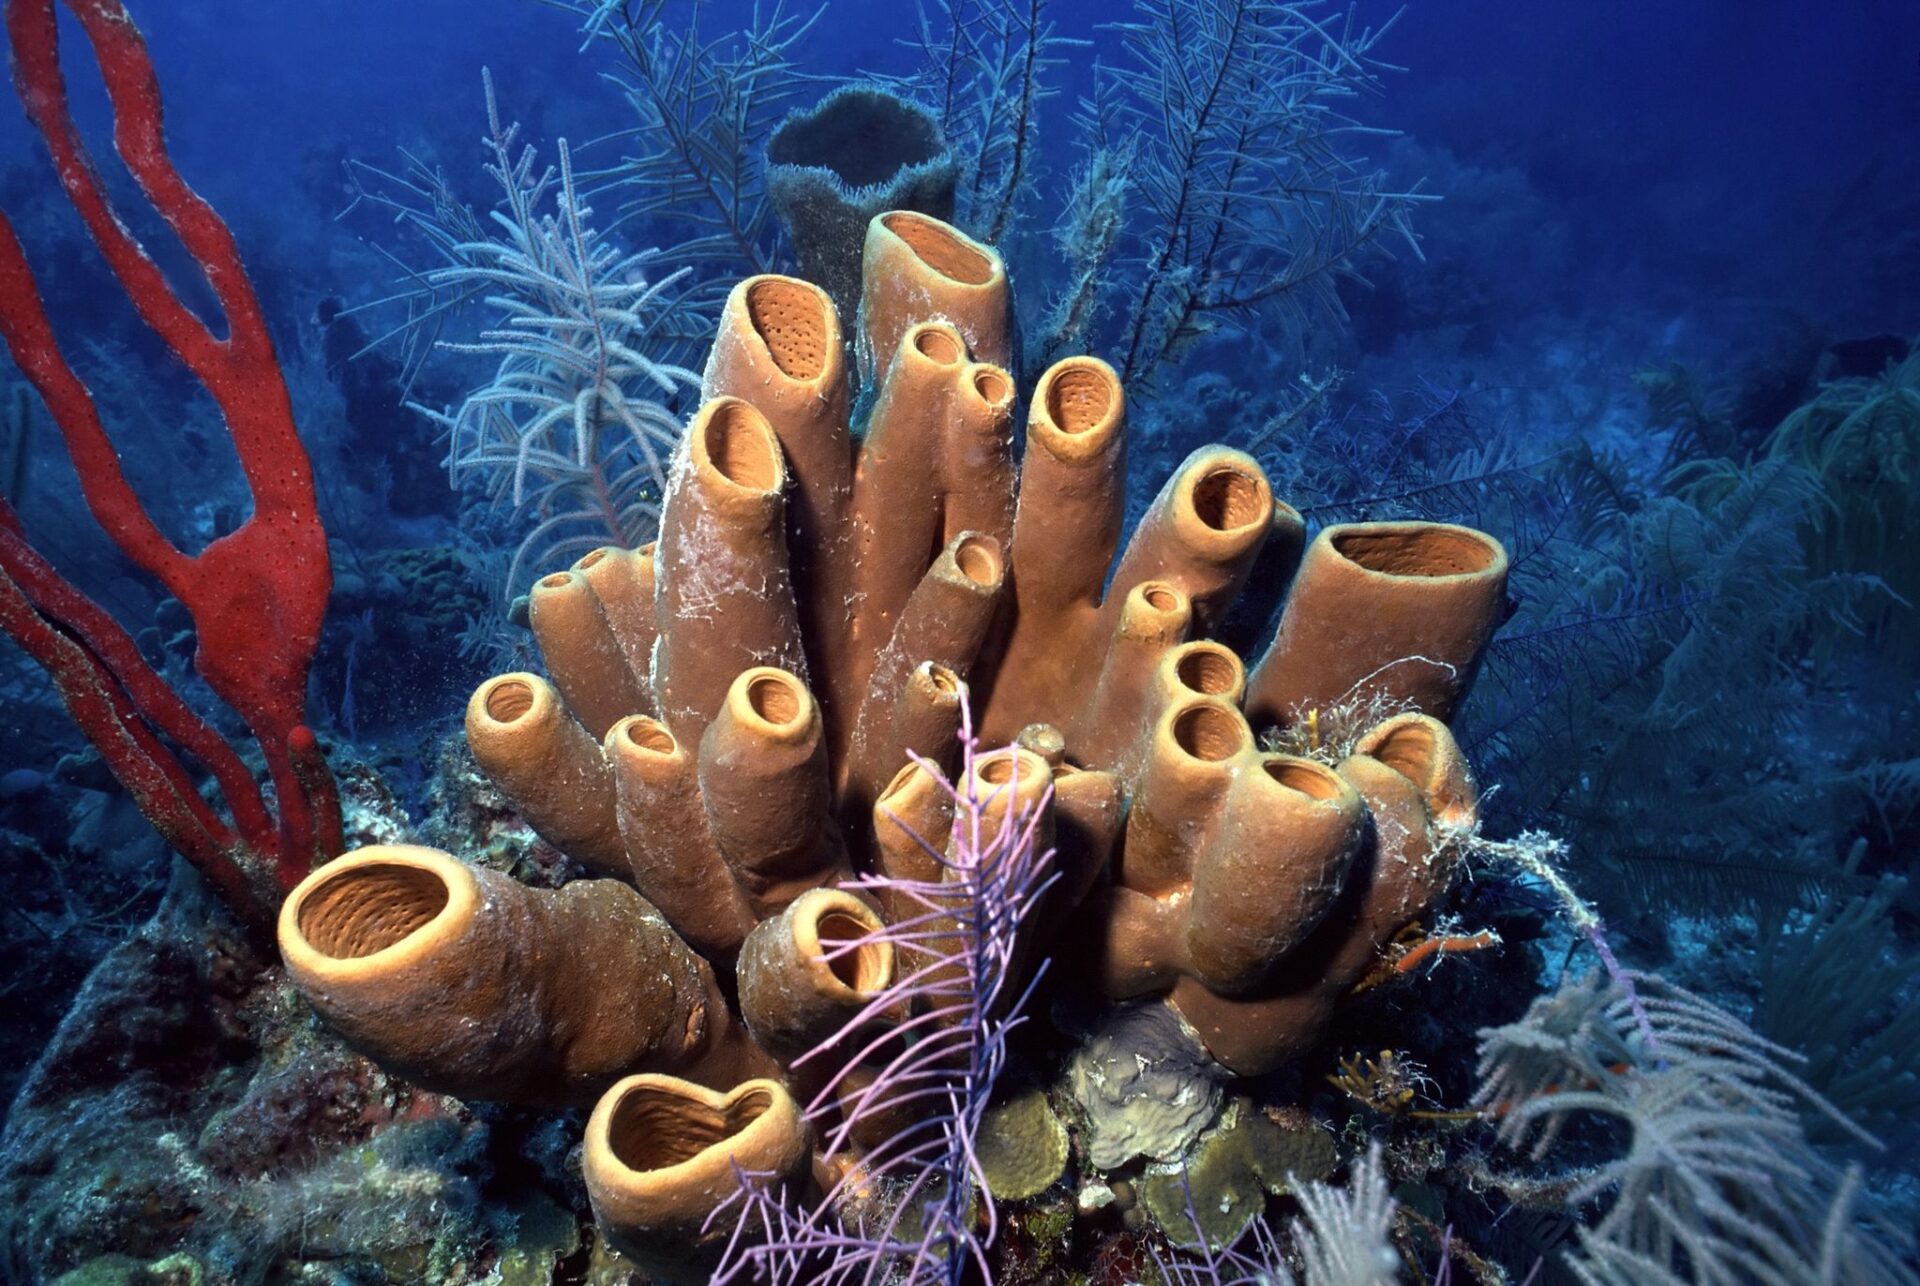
{"points": [[1146, 1085]]}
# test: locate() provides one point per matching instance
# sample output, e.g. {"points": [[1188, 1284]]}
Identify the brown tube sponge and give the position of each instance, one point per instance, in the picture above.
{"points": [[839, 565], [1121, 732], [1066, 529], [1089, 808], [923, 719], [947, 615], [896, 521], [1189, 764], [779, 347], [1271, 871], [1012, 781], [912, 820], [1202, 532], [623, 581], [546, 764], [585, 658], [1138, 941], [725, 601], [1416, 786], [915, 268], [794, 996], [1013, 788], [1202, 668], [764, 781], [944, 621], [1072, 487], [926, 718], [469, 983], [1393, 612], [976, 459], [1246, 622], [660, 1158], [1153, 617], [674, 862]]}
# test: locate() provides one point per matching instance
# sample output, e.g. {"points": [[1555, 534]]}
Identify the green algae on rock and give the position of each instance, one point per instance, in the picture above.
{"points": [[1224, 1183], [1023, 1147]]}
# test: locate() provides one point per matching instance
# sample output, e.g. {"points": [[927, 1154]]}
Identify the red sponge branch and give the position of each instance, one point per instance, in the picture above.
{"points": [[257, 596]]}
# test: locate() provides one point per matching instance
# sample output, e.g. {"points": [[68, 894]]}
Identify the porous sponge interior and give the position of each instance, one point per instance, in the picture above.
{"points": [[370, 908], [1227, 499], [653, 1127], [1207, 672], [1421, 551], [1078, 399], [941, 250], [742, 447], [790, 322], [863, 968]]}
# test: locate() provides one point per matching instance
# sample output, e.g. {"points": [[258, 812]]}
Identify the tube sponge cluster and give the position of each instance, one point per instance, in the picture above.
{"points": [[755, 707]]}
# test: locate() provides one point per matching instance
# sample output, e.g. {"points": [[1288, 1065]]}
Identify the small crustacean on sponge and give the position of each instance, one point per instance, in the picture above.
{"points": [[732, 711]]}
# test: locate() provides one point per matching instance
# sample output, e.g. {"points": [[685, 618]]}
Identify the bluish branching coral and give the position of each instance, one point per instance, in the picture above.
{"points": [[573, 430], [1717, 1181]]}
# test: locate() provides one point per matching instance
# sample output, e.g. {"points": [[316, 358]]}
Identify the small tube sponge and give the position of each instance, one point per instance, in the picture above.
{"points": [[1413, 780], [809, 971], [916, 269], [1393, 613], [662, 1155], [723, 561], [548, 766]]}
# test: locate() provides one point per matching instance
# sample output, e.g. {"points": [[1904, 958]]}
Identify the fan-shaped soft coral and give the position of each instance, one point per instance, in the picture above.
{"points": [[731, 712]]}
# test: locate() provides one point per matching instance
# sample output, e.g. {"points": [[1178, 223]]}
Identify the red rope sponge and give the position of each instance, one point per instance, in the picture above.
{"points": [[257, 596]]}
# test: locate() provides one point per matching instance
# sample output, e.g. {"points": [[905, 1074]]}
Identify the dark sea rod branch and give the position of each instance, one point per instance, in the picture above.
{"points": [[1254, 202], [983, 74], [705, 105]]}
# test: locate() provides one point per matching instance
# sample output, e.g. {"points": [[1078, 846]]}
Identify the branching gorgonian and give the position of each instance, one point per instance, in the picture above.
{"points": [[582, 412], [1717, 1182], [1251, 199], [704, 103], [915, 1207]]}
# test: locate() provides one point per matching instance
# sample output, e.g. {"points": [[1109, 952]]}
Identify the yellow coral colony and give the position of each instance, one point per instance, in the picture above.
{"points": [[730, 712]]}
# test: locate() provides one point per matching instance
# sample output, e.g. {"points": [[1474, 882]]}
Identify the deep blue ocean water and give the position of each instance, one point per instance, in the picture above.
{"points": [[1661, 233]]}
